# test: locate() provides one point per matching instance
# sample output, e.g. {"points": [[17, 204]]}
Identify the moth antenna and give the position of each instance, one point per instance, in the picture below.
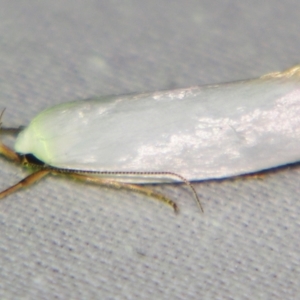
{"points": [[170, 174]]}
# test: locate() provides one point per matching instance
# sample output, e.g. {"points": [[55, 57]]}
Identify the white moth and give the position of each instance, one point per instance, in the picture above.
{"points": [[191, 134]]}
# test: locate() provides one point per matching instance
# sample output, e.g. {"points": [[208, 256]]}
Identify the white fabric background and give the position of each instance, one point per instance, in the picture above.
{"points": [[64, 240]]}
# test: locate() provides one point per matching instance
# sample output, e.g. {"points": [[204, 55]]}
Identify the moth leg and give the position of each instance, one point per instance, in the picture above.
{"points": [[120, 185], [9, 153], [27, 181], [10, 131]]}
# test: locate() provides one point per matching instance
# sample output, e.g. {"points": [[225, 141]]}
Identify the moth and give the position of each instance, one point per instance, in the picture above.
{"points": [[181, 135]]}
